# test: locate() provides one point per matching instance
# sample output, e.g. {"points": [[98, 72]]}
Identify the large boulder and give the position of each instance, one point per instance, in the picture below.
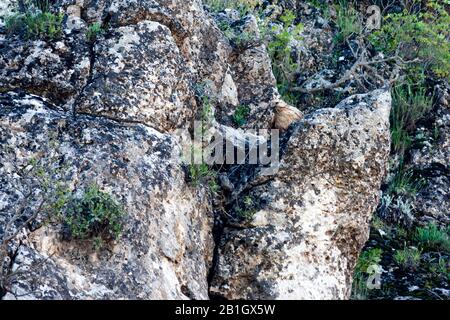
{"points": [[104, 111], [312, 218], [139, 76], [166, 247]]}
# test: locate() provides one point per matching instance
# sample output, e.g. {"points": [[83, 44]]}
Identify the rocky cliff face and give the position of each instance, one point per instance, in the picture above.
{"points": [[106, 112], [305, 238]]}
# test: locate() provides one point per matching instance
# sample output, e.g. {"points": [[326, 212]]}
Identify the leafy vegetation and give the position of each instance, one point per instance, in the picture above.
{"points": [[40, 25], [410, 103], [368, 258], [243, 6], [404, 182], [282, 36], [440, 268], [246, 210], [94, 31], [408, 258], [371, 257], [240, 115], [347, 20], [432, 238], [421, 34], [198, 172], [93, 215]]}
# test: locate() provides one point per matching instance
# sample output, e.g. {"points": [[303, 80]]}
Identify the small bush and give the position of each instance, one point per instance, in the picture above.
{"points": [[347, 20], [418, 34], [408, 258], [368, 258], [246, 211], [203, 174], [240, 115], [94, 31], [440, 268], [432, 238], [405, 183], [409, 104], [33, 26], [243, 6], [281, 38], [95, 215]]}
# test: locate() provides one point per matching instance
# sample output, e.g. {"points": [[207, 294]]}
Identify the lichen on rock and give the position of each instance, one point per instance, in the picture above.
{"points": [[107, 109]]}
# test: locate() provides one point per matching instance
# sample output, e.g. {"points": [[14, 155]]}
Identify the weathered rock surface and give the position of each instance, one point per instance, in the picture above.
{"points": [[104, 111], [138, 76], [432, 161], [56, 70], [313, 217], [166, 246]]}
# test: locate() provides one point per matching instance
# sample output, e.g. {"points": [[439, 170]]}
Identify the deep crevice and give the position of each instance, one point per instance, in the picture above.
{"points": [[120, 121], [217, 232], [9, 267], [220, 222], [90, 78]]}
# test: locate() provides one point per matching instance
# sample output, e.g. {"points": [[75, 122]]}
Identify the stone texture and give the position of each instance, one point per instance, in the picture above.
{"points": [[55, 70], [106, 112], [166, 246], [432, 162], [312, 219], [139, 76]]}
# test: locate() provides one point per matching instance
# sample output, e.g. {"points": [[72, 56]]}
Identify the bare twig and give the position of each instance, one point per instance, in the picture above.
{"points": [[356, 71]]}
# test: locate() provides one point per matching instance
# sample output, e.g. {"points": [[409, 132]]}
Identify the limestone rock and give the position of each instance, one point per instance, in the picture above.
{"points": [[431, 161], [313, 216], [55, 70], [139, 76], [166, 247], [106, 110]]}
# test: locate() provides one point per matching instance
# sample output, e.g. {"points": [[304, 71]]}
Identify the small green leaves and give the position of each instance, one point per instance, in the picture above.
{"points": [[240, 115], [93, 215], [94, 31], [46, 26]]}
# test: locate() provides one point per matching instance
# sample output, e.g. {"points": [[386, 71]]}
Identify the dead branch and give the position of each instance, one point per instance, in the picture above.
{"points": [[356, 70]]}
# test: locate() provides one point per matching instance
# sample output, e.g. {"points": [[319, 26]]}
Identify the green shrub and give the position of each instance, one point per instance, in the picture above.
{"points": [[246, 210], [368, 258], [405, 183], [201, 173], [440, 268], [360, 276], [410, 103], [246, 215], [432, 238], [240, 115], [347, 20], [279, 48], [94, 215], [33, 26], [422, 35], [94, 31], [408, 258], [322, 5]]}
